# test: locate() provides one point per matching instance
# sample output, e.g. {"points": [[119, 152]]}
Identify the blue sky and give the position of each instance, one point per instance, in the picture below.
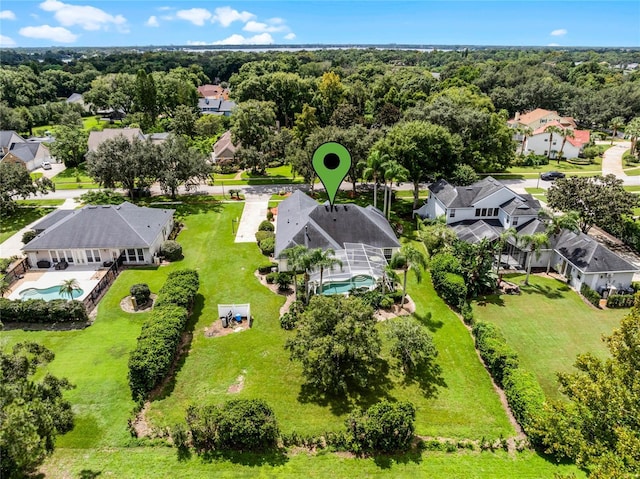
{"points": [[45, 23]]}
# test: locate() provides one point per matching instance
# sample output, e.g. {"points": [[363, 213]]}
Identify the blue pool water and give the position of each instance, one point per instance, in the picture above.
{"points": [[339, 287], [47, 294]]}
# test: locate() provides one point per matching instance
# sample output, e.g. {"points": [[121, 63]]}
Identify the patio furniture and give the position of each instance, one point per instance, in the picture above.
{"points": [[44, 264], [62, 265]]}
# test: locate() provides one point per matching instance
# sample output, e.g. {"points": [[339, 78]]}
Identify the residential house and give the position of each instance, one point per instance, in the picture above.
{"points": [[540, 117], [539, 142], [96, 234], [213, 91], [215, 106], [96, 138], [485, 209], [360, 237], [29, 154], [77, 99], [8, 138], [224, 151]]}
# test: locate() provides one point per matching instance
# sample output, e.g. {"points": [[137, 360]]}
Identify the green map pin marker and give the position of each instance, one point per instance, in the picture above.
{"points": [[331, 162]]}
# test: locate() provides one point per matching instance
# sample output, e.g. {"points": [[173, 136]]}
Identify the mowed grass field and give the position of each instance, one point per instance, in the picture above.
{"points": [[95, 360], [548, 324]]}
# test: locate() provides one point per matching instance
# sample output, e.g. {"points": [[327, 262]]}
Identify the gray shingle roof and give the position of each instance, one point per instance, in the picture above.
{"points": [[25, 151], [97, 137], [107, 226], [526, 206], [301, 220], [464, 196], [7, 137], [588, 255], [51, 219]]}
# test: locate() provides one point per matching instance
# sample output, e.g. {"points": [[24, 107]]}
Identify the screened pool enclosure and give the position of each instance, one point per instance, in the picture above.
{"points": [[363, 266]]}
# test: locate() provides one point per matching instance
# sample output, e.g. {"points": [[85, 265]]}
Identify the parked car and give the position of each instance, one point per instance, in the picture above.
{"points": [[551, 175], [46, 165]]}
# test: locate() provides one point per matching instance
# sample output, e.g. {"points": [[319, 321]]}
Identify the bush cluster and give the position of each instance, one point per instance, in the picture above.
{"points": [[266, 226], [179, 289], [531, 160], [523, 392], [621, 301], [28, 236], [266, 268], [239, 424], [447, 280], [289, 319], [171, 250], [592, 296], [140, 292], [41, 311], [157, 344], [384, 427], [268, 246]]}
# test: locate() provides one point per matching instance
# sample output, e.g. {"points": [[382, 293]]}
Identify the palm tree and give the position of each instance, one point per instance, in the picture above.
{"points": [[633, 130], [414, 260], [323, 259], [393, 171], [296, 261], [551, 130], [374, 171], [389, 274], [68, 287], [616, 124], [534, 243], [558, 223], [526, 132], [566, 133], [505, 236]]}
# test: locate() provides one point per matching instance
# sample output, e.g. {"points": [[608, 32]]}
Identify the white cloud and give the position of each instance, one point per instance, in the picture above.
{"points": [[46, 32], [259, 27], [7, 15], [197, 16], [152, 21], [88, 17], [167, 17], [225, 16], [164, 9], [559, 32], [553, 45], [6, 42], [290, 36], [235, 39]]}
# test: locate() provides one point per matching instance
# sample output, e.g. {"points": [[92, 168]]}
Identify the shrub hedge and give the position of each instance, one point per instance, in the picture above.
{"points": [[525, 396], [157, 344], [592, 296], [266, 268], [262, 235], [140, 292], [453, 290], [41, 311], [150, 361], [494, 350], [620, 301], [267, 246], [179, 289], [384, 427]]}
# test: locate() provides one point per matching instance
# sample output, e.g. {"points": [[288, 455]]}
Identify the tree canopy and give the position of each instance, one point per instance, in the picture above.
{"points": [[15, 182]]}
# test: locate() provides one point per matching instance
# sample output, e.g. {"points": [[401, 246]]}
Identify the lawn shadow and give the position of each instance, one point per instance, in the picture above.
{"points": [[166, 388], [89, 474], [494, 299], [386, 461], [428, 377], [428, 322], [376, 390], [549, 292], [272, 457]]}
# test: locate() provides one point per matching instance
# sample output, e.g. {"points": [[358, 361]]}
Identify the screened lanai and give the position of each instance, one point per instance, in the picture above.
{"points": [[363, 266]]}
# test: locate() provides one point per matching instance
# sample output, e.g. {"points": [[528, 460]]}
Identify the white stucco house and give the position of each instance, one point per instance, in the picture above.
{"points": [[94, 235], [541, 141], [485, 209]]}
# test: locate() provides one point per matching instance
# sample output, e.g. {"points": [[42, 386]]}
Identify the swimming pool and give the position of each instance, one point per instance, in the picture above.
{"points": [[341, 287], [47, 294]]}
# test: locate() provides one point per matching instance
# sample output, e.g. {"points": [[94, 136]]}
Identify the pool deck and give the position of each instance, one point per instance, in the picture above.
{"points": [[86, 277]]}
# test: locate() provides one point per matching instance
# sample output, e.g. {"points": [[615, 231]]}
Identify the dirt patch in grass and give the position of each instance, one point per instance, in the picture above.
{"points": [[216, 328], [238, 385], [127, 306]]}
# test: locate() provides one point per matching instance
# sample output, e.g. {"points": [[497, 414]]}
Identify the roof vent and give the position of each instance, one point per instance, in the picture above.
{"points": [[345, 207], [92, 207]]}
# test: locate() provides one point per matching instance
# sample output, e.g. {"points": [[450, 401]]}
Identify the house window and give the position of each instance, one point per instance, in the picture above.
{"points": [[495, 211], [477, 211], [93, 255], [484, 212], [131, 255], [452, 213], [546, 152], [69, 256], [515, 221], [388, 252], [140, 255], [54, 256]]}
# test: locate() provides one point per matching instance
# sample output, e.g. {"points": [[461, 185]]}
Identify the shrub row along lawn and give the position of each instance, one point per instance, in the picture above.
{"points": [[95, 360], [548, 325]]}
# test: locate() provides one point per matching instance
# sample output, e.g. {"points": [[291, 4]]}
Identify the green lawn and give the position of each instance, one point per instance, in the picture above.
{"points": [[538, 193], [593, 169], [95, 360], [10, 225], [39, 202], [89, 123], [162, 462], [548, 325], [74, 178]]}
